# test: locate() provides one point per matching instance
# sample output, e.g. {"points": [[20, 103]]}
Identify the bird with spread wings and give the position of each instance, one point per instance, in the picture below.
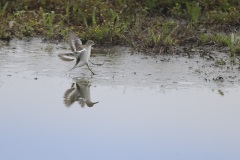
{"points": [[81, 53]]}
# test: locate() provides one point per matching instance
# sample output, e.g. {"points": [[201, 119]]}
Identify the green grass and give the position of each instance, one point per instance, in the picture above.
{"points": [[3, 9], [194, 12], [142, 24], [48, 22]]}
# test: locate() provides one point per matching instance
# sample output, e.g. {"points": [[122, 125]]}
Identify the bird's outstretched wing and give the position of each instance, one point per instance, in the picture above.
{"points": [[74, 41], [67, 56], [72, 56], [71, 95]]}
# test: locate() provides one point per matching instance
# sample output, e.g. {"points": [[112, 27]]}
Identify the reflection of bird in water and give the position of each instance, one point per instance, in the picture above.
{"points": [[81, 53], [78, 92]]}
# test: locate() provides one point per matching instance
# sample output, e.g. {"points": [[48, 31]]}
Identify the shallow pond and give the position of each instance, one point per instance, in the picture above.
{"points": [[136, 107]]}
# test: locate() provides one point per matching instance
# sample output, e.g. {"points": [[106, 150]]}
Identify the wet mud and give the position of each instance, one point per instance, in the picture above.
{"points": [[121, 66]]}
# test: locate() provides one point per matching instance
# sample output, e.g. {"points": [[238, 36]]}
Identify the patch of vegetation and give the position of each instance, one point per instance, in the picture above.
{"points": [[3, 9], [231, 41], [194, 12], [151, 25]]}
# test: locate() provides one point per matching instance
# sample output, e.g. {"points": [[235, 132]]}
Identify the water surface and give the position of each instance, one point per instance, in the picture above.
{"points": [[149, 107]]}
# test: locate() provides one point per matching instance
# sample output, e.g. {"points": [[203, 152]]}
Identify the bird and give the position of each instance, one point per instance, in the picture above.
{"points": [[81, 53], [79, 91]]}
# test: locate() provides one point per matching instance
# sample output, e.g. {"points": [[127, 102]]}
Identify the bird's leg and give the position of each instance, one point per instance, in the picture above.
{"points": [[95, 63], [72, 68], [90, 69]]}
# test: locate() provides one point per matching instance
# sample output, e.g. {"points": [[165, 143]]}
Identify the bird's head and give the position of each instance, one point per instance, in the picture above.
{"points": [[90, 43]]}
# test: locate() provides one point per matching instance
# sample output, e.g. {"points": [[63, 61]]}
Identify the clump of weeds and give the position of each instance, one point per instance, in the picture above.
{"points": [[193, 11], [48, 22], [3, 9], [163, 36], [231, 41], [144, 25]]}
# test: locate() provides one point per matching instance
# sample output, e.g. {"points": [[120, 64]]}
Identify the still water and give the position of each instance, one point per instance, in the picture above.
{"points": [[136, 107]]}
